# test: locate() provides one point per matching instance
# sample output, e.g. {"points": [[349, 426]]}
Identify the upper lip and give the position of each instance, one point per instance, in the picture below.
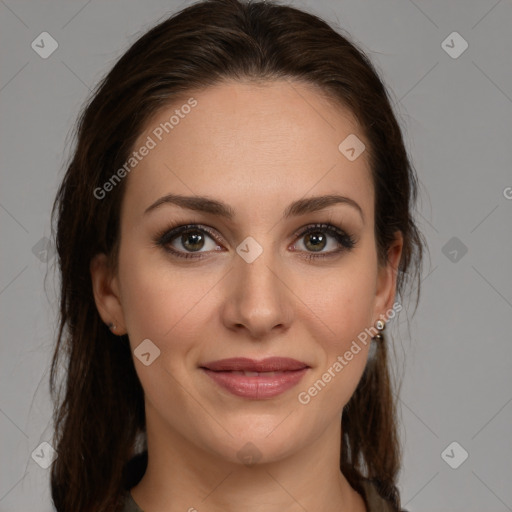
{"points": [[270, 364]]}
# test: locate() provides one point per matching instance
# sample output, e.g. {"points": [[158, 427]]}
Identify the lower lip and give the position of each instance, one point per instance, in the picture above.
{"points": [[258, 386]]}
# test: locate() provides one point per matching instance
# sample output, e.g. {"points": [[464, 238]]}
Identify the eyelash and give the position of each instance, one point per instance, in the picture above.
{"points": [[167, 235]]}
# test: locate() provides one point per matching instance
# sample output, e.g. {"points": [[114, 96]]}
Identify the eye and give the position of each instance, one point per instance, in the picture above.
{"points": [[190, 237], [188, 241], [315, 239]]}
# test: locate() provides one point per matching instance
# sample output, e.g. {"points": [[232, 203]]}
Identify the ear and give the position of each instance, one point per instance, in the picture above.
{"points": [[386, 280], [106, 293]]}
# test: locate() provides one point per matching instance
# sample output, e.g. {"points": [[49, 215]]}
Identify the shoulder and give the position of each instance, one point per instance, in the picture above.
{"points": [[375, 502]]}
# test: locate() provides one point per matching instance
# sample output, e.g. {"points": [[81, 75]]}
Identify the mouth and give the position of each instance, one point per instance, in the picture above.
{"points": [[253, 379], [244, 364]]}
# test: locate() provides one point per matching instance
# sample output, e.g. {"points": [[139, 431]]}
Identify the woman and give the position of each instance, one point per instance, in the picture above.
{"points": [[233, 229]]}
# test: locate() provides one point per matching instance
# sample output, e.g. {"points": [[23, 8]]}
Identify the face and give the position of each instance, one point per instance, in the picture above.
{"points": [[272, 273]]}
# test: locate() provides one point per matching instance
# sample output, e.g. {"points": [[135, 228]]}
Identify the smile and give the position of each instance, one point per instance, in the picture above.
{"points": [[256, 379], [256, 385]]}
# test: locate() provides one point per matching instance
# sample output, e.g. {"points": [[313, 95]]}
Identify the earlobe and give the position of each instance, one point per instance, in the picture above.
{"points": [[106, 293]]}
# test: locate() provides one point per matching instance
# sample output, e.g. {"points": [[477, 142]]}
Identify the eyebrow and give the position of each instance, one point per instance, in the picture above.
{"points": [[215, 207]]}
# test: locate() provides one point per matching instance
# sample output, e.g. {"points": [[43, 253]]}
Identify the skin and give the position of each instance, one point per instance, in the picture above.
{"points": [[257, 148]]}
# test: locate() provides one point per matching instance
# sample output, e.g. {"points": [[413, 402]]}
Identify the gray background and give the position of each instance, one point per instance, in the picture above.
{"points": [[456, 114]]}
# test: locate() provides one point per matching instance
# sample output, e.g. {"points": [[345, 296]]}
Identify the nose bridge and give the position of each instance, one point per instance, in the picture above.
{"points": [[258, 279], [259, 300]]}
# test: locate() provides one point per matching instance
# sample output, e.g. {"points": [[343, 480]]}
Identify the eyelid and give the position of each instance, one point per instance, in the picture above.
{"points": [[164, 237], [173, 230]]}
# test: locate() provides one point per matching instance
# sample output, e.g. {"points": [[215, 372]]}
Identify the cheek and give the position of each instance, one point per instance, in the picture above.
{"points": [[345, 303], [157, 305], [149, 309], [155, 296], [345, 354], [344, 308]]}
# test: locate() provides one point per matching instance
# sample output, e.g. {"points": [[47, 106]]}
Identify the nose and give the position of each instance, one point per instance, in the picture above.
{"points": [[257, 300]]}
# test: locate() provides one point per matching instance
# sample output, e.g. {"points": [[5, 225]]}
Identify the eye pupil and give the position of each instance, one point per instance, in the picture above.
{"points": [[192, 235], [318, 240]]}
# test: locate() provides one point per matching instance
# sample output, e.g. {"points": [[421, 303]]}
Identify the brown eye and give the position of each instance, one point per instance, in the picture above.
{"points": [[316, 239], [192, 240], [183, 241]]}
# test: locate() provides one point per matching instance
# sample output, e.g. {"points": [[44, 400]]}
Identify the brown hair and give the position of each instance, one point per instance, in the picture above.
{"points": [[99, 421]]}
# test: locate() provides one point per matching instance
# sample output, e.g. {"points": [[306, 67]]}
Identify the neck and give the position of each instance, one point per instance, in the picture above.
{"points": [[183, 476]]}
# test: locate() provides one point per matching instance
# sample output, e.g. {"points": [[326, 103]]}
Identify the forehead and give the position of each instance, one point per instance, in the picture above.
{"points": [[266, 144]]}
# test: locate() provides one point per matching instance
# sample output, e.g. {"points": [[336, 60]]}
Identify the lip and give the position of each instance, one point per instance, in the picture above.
{"points": [[275, 375], [270, 364]]}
